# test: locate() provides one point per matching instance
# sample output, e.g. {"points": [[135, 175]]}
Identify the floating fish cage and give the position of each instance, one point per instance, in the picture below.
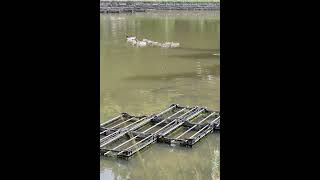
{"points": [[125, 135]]}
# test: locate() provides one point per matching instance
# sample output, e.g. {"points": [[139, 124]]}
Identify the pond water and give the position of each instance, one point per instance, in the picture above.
{"points": [[146, 80]]}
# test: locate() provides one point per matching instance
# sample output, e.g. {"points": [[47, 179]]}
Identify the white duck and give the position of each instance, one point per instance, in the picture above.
{"points": [[146, 40], [155, 44], [174, 45], [131, 39], [133, 42], [141, 43], [166, 45]]}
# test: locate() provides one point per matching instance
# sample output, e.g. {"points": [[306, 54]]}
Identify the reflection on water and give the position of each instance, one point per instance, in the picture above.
{"points": [[199, 49], [211, 71], [147, 80], [195, 56], [161, 161]]}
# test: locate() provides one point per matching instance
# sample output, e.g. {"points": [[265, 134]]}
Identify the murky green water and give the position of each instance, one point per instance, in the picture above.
{"points": [[147, 80]]}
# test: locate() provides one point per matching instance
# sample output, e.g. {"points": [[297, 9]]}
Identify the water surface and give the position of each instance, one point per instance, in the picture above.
{"points": [[147, 80]]}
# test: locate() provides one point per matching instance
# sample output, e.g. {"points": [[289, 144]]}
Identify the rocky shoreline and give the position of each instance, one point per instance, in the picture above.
{"points": [[141, 6]]}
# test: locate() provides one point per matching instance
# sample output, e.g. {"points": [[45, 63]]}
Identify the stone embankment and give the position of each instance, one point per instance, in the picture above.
{"points": [[141, 6]]}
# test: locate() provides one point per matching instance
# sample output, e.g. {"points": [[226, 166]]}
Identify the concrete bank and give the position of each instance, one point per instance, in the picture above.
{"points": [[141, 6]]}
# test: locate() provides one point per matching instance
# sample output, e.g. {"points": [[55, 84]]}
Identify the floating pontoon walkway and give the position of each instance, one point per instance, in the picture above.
{"points": [[125, 134]]}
